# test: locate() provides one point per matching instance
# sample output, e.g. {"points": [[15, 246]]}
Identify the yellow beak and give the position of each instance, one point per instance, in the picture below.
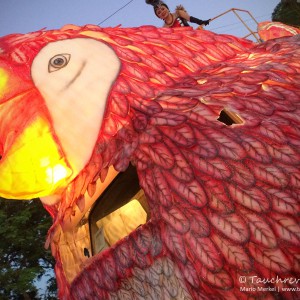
{"points": [[33, 166]]}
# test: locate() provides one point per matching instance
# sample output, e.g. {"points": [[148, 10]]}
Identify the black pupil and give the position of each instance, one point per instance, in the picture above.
{"points": [[58, 61]]}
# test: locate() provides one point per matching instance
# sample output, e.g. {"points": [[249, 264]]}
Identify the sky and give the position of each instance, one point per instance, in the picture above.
{"points": [[22, 16]]}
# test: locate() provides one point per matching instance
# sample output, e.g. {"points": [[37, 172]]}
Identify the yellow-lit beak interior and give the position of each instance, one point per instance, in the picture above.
{"points": [[3, 81], [33, 166]]}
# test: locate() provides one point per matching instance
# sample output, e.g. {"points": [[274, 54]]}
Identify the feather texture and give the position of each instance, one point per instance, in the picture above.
{"points": [[224, 199]]}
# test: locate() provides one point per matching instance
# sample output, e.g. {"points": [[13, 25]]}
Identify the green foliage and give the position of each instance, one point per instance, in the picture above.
{"points": [[23, 258], [287, 12]]}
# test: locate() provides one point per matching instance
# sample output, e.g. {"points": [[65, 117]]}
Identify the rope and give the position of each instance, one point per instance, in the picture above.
{"points": [[115, 12]]}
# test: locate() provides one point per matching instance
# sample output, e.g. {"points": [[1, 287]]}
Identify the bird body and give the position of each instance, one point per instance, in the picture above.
{"points": [[224, 199]]}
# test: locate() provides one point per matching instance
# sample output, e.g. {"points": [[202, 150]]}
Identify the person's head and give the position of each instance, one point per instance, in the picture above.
{"points": [[161, 10]]}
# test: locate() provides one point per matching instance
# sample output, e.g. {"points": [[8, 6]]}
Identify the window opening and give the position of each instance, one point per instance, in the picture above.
{"points": [[118, 211], [228, 117]]}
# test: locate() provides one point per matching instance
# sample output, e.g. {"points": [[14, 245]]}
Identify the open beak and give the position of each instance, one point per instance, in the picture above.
{"points": [[32, 163]]}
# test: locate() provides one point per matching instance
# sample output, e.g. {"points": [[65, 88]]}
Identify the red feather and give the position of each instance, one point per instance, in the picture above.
{"points": [[224, 199]]}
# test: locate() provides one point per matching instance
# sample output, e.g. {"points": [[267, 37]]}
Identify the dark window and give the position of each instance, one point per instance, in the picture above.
{"points": [[228, 117]]}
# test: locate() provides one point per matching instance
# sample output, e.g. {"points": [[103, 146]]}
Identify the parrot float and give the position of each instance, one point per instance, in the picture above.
{"points": [[82, 103]]}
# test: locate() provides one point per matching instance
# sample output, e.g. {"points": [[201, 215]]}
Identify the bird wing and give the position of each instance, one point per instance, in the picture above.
{"points": [[226, 197]]}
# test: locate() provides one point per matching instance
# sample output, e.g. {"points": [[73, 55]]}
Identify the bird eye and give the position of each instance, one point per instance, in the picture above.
{"points": [[58, 61]]}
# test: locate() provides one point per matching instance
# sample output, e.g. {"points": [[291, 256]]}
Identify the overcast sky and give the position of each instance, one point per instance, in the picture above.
{"points": [[21, 16]]}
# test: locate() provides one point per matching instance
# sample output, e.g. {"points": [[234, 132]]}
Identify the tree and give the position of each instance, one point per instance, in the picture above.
{"points": [[23, 258], [287, 12]]}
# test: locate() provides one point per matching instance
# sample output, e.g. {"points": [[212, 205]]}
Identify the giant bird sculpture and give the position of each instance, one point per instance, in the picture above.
{"points": [[224, 198]]}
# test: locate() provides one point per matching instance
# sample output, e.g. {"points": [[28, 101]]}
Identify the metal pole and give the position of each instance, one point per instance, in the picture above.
{"points": [[246, 25], [221, 14], [234, 11]]}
